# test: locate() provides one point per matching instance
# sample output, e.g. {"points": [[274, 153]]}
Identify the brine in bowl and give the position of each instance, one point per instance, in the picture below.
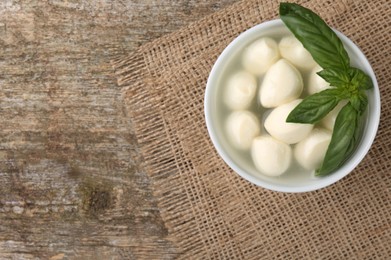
{"points": [[245, 127]]}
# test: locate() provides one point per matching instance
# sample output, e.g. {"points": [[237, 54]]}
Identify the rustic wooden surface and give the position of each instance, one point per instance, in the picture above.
{"points": [[70, 187]]}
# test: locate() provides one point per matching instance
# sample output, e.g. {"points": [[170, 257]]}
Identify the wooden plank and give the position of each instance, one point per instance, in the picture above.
{"points": [[70, 184]]}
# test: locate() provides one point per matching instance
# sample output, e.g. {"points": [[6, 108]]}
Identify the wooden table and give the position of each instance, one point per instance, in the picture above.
{"points": [[70, 185]]}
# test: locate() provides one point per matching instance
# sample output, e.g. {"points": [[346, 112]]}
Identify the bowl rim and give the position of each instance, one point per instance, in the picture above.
{"points": [[359, 154]]}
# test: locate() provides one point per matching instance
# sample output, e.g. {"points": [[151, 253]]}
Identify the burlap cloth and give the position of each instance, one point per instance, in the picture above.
{"points": [[210, 212]]}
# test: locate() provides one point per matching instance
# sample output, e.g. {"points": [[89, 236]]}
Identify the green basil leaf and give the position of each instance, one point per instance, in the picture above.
{"points": [[316, 36], [313, 108], [359, 79], [364, 102], [343, 140], [355, 102], [359, 101], [356, 136], [336, 77]]}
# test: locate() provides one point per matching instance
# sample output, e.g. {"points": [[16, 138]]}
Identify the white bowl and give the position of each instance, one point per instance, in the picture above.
{"points": [[245, 168]]}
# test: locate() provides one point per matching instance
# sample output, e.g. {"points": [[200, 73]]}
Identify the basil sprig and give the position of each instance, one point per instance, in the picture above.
{"points": [[347, 83]]}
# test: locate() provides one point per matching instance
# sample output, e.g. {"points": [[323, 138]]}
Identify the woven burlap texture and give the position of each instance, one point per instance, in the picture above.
{"points": [[209, 210]]}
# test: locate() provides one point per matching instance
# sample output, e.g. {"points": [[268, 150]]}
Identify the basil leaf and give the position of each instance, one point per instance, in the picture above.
{"points": [[359, 101], [316, 36], [313, 108], [359, 79], [343, 140], [356, 135], [364, 102], [335, 77]]}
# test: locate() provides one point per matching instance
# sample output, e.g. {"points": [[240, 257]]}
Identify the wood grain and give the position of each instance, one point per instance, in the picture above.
{"points": [[70, 184]]}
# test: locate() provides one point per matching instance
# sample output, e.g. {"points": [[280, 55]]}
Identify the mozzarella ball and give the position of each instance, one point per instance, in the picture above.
{"points": [[240, 91], [242, 127], [311, 151], [292, 50], [270, 156], [260, 55], [289, 133], [329, 120], [316, 83], [281, 84]]}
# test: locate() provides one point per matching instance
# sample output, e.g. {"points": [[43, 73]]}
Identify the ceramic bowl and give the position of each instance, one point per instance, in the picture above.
{"points": [[245, 168]]}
